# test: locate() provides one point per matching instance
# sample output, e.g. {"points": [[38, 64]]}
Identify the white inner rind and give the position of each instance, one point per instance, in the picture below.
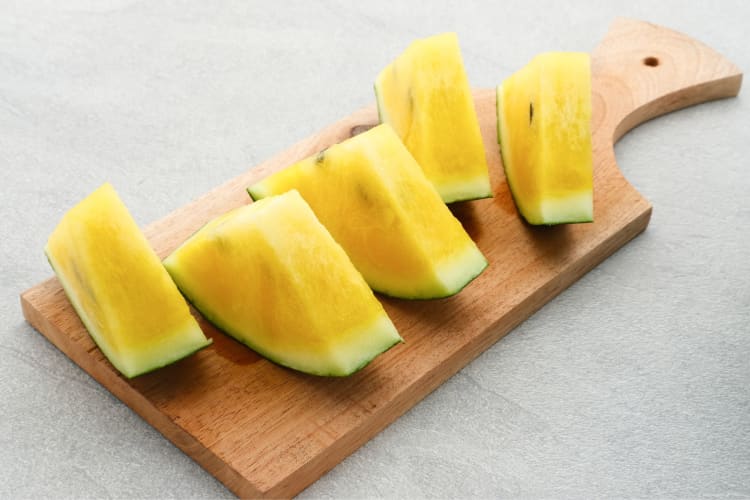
{"points": [[179, 344], [359, 348], [574, 208], [456, 273], [466, 190]]}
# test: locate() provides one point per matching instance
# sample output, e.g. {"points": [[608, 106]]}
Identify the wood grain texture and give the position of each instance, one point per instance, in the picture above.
{"points": [[267, 431]]}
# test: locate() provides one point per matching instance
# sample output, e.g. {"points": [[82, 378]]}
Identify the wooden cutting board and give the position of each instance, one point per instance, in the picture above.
{"points": [[267, 431]]}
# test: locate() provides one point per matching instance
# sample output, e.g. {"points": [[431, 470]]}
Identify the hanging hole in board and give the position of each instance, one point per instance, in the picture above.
{"points": [[651, 61]]}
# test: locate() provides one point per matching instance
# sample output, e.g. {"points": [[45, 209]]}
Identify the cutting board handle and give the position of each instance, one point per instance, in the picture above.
{"points": [[640, 71]]}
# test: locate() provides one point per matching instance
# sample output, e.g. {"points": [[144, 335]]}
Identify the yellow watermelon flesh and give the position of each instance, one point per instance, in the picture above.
{"points": [[544, 130], [425, 96], [377, 203], [119, 288], [271, 276]]}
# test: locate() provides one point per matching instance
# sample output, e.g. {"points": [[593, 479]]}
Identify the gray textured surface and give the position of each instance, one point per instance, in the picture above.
{"points": [[635, 382]]}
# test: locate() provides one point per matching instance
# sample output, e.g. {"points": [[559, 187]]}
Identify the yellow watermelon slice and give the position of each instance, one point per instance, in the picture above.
{"points": [[377, 203], [544, 130], [425, 95], [272, 277], [119, 288]]}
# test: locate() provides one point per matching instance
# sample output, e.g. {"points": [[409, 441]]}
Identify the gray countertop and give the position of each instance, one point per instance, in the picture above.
{"points": [[634, 382]]}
